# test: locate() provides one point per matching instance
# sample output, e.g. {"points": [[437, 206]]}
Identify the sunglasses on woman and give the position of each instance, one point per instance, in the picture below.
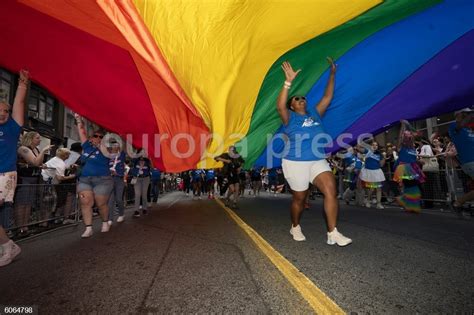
{"points": [[297, 98], [98, 136]]}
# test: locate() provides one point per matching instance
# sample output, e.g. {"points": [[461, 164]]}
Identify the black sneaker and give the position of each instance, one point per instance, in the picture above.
{"points": [[136, 214], [145, 212]]}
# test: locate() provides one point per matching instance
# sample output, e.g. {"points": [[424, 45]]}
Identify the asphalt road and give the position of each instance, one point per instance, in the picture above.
{"points": [[184, 257], [398, 263], [189, 256]]}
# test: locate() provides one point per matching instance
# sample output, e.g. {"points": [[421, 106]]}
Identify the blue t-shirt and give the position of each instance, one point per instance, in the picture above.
{"points": [[9, 134], [144, 170], [96, 164], [301, 130], [155, 174], [255, 175], [372, 160], [352, 159], [358, 164], [407, 155], [197, 175], [272, 176], [349, 160], [210, 175], [463, 139], [120, 166]]}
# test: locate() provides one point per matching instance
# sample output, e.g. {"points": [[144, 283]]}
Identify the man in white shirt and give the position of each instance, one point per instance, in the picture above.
{"points": [[56, 167], [75, 154]]}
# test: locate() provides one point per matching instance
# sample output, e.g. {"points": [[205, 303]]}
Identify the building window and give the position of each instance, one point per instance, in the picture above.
{"points": [[6, 80], [70, 128], [41, 105]]}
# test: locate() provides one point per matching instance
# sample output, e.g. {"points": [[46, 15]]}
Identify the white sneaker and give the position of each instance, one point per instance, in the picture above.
{"points": [[5, 257], [88, 232], [297, 234], [379, 206], [120, 219], [109, 222], [335, 237], [9, 251], [15, 249], [367, 204], [105, 227]]}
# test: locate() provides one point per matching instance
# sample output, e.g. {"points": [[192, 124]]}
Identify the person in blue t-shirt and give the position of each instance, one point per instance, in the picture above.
{"points": [[95, 183], [196, 180], [352, 166], [117, 171], [155, 184], [210, 180], [256, 180], [462, 135], [306, 162], [371, 175], [141, 172], [11, 121]]}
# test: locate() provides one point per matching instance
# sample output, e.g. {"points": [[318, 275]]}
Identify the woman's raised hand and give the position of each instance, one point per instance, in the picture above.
{"points": [[290, 74], [333, 65], [24, 76]]}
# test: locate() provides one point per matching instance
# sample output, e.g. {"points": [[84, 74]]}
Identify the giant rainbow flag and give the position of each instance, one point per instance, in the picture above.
{"points": [[194, 77]]}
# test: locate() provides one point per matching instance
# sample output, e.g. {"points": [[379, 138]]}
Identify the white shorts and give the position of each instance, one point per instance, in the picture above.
{"points": [[468, 168], [299, 174], [7, 186]]}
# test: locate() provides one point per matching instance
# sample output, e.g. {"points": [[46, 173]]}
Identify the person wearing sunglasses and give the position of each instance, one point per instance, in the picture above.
{"points": [[305, 161], [95, 182], [11, 120]]}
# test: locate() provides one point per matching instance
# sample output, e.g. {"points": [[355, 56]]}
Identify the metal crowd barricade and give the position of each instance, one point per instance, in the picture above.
{"points": [[442, 186], [39, 207], [435, 188], [459, 183]]}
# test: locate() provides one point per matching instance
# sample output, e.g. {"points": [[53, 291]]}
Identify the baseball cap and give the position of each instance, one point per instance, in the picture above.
{"points": [[464, 110]]}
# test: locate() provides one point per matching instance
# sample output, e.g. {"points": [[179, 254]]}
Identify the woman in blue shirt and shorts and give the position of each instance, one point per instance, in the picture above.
{"points": [[306, 163]]}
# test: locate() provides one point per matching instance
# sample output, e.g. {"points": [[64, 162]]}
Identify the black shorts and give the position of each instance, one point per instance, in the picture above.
{"points": [[233, 179]]}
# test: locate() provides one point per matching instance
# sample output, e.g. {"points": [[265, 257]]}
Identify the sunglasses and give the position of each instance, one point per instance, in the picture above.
{"points": [[98, 136], [297, 98]]}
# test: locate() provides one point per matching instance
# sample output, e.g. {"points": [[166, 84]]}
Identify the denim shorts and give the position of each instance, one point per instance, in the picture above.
{"points": [[100, 185]]}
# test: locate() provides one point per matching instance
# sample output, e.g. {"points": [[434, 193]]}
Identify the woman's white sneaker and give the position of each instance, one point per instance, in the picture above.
{"points": [[105, 227], [120, 219], [88, 232], [297, 234], [335, 237]]}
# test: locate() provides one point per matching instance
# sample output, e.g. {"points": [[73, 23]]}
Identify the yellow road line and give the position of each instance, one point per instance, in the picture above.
{"points": [[316, 298]]}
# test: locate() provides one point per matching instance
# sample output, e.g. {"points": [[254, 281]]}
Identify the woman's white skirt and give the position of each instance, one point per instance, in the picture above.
{"points": [[372, 176]]}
